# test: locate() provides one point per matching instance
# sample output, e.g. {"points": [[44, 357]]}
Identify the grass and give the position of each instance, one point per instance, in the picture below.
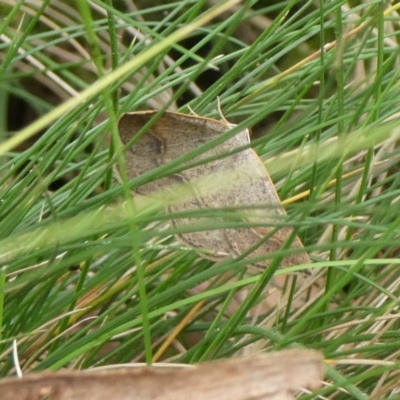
{"points": [[88, 277]]}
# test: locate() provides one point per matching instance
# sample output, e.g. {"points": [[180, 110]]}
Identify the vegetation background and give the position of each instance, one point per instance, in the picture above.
{"points": [[85, 282]]}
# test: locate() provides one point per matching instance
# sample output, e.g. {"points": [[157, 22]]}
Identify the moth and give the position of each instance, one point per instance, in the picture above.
{"points": [[235, 180]]}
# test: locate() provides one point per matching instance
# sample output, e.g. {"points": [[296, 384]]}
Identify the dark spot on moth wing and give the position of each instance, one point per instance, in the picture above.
{"points": [[130, 125], [178, 133], [138, 157], [138, 154], [163, 141], [182, 134]]}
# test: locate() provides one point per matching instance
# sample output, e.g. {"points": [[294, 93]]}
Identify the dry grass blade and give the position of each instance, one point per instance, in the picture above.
{"points": [[274, 376]]}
